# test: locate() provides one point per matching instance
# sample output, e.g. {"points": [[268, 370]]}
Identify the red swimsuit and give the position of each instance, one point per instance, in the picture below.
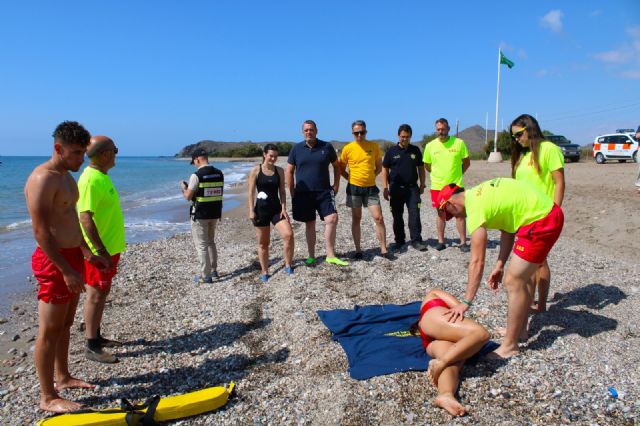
{"points": [[428, 305]]}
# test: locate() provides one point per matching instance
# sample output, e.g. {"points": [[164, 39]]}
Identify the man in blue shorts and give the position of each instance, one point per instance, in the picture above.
{"points": [[312, 191]]}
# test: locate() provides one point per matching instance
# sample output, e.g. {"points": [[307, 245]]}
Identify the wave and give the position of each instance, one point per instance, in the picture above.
{"points": [[21, 224]]}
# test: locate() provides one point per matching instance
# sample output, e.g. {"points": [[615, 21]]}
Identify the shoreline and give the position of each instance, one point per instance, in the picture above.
{"points": [[268, 339]]}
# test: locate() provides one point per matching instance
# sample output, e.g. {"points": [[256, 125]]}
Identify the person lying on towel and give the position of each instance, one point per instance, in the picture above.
{"points": [[449, 344]]}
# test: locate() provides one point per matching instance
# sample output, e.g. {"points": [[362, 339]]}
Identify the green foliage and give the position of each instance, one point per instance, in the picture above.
{"points": [[427, 138], [478, 155], [586, 152], [547, 133], [504, 144], [284, 147]]}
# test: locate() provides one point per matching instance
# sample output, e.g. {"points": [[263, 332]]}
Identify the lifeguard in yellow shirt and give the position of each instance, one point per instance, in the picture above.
{"points": [[446, 159], [360, 163], [517, 209]]}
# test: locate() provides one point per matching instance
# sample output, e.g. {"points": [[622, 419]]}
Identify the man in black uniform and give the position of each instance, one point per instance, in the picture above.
{"points": [[401, 168], [204, 190]]}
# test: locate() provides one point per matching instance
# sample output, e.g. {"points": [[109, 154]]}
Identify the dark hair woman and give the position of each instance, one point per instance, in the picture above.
{"points": [[541, 163], [267, 204]]}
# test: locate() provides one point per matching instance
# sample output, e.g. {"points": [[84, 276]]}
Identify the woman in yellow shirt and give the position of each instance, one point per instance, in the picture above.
{"points": [[541, 163]]}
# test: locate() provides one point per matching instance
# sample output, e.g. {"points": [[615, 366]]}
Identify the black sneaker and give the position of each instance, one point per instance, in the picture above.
{"points": [[100, 356], [440, 246], [358, 255], [396, 246], [419, 245], [464, 248], [388, 255]]}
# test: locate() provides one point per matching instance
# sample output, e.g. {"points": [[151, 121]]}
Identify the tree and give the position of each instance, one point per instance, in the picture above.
{"points": [[428, 138], [504, 144]]}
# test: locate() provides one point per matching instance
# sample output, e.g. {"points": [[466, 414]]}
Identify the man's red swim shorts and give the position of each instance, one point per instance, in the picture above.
{"points": [[101, 279], [536, 239], [53, 288]]}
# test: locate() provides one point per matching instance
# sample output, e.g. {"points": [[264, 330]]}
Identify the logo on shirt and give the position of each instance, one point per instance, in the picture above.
{"points": [[395, 157], [519, 247], [413, 156]]}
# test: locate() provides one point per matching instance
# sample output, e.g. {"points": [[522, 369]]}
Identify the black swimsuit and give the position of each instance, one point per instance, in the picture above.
{"points": [[269, 209]]}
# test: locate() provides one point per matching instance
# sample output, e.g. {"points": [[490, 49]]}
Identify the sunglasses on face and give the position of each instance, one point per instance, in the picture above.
{"points": [[517, 135], [364, 132]]}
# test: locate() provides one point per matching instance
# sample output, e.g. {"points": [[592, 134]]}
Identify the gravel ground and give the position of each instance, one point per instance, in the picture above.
{"points": [[268, 339]]}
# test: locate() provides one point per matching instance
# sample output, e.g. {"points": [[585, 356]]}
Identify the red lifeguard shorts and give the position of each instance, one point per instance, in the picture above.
{"points": [[536, 239], [53, 288], [101, 279]]}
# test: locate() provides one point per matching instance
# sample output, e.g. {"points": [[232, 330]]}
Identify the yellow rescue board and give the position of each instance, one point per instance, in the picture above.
{"points": [[169, 408]]}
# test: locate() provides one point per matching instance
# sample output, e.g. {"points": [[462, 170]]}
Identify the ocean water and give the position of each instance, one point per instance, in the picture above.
{"points": [[150, 197]]}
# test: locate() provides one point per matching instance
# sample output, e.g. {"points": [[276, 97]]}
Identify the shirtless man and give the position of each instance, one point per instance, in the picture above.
{"points": [[51, 194]]}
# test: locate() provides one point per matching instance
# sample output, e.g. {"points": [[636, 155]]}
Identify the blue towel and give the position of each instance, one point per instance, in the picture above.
{"points": [[377, 341]]}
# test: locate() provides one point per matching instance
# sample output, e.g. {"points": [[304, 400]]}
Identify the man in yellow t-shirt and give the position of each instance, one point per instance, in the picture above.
{"points": [[360, 163], [519, 210], [446, 159], [103, 228]]}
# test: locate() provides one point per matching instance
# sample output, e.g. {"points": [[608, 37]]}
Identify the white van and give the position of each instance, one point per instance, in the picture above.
{"points": [[615, 146]]}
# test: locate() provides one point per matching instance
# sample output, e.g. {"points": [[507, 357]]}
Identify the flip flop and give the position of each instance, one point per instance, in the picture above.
{"points": [[310, 261]]}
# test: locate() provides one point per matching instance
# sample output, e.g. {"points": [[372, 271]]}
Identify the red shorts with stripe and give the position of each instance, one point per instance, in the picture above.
{"points": [[101, 279], [536, 239], [53, 288]]}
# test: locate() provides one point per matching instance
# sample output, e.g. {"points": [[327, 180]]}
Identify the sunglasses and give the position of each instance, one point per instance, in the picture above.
{"points": [[517, 135], [364, 132]]}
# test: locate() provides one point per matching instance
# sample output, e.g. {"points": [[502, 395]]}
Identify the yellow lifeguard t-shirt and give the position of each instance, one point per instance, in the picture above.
{"points": [[550, 159], [446, 161], [505, 204], [361, 158]]}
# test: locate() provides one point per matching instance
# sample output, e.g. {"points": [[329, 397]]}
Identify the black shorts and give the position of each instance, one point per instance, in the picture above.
{"points": [[306, 204], [266, 214]]}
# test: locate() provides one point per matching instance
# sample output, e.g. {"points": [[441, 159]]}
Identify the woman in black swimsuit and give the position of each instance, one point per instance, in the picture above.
{"points": [[268, 204]]}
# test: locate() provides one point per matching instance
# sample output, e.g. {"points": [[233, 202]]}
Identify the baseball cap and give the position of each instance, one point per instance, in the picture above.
{"points": [[199, 152], [445, 195]]}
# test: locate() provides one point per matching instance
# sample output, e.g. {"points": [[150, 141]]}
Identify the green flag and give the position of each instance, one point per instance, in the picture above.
{"points": [[506, 61]]}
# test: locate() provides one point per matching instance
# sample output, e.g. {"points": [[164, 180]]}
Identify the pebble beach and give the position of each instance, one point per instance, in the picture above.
{"points": [[267, 338]]}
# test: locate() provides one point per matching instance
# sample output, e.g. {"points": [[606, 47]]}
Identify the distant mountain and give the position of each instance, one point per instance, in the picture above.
{"points": [[474, 138], [213, 147]]}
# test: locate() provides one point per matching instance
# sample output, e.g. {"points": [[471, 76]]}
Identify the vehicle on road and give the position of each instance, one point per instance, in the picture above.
{"points": [[615, 146], [570, 150]]}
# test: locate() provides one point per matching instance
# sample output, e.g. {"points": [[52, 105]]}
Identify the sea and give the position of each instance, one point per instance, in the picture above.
{"points": [[150, 196]]}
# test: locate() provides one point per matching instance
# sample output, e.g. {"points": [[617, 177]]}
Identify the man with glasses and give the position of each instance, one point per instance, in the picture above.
{"points": [[401, 168], [103, 228], [312, 192], [517, 209], [446, 159], [360, 163]]}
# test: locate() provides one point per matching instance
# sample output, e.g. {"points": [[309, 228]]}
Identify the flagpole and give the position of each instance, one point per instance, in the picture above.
{"points": [[495, 135], [486, 128]]}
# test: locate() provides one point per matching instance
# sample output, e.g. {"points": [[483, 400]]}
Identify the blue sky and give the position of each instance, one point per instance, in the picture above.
{"points": [[160, 75]]}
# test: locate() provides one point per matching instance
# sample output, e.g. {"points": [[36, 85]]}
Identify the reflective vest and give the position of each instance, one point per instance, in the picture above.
{"points": [[207, 201]]}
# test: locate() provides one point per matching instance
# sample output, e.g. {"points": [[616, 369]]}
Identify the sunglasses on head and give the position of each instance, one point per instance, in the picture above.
{"points": [[364, 132], [517, 135]]}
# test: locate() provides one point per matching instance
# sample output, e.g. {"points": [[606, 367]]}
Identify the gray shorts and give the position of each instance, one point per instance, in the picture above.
{"points": [[362, 196]]}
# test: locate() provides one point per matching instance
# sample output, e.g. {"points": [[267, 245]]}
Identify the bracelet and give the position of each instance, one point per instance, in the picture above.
{"points": [[467, 302]]}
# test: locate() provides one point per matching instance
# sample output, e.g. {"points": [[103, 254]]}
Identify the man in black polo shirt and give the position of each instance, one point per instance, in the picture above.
{"points": [[313, 191], [401, 168]]}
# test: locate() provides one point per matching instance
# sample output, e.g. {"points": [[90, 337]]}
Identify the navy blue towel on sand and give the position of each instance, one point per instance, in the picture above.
{"points": [[377, 341]]}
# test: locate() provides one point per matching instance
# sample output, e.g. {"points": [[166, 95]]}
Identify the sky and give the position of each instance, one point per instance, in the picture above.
{"points": [[159, 75]]}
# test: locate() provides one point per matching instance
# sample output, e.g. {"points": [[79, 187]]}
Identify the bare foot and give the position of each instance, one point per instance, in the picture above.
{"points": [[523, 337], [502, 353], [449, 403], [435, 369], [60, 405], [73, 383]]}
